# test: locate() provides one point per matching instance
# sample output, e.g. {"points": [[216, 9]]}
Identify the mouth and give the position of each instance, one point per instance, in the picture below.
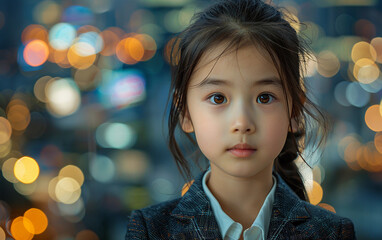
{"points": [[242, 150]]}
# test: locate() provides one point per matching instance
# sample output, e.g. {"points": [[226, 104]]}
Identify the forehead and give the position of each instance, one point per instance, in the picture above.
{"points": [[245, 62]]}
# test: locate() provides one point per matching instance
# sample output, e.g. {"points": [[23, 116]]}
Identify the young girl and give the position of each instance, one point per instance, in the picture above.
{"points": [[237, 90]]}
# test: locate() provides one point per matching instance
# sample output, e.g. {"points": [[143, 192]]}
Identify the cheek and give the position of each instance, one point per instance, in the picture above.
{"points": [[207, 132]]}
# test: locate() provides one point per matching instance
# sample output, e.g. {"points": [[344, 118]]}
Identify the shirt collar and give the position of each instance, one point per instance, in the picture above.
{"points": [[224, 221]]}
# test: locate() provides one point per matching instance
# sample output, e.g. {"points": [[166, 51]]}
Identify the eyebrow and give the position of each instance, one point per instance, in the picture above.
{"points": [[220, 82]]}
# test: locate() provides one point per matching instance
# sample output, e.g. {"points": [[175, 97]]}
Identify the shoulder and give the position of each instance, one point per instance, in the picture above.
{"points": [[331, 225], [146, 222]]}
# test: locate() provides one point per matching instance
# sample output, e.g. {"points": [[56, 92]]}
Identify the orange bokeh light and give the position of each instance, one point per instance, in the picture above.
{"points": [[5, 130], [130, 50], [38, 219], [149, 46], [186, 186], [378, 141], [34, 32], [19, 229], [376, 43], [363, 50], [315, 194], [327, 207], [36, 53], [86, 235], [111, 40], [19, 117], [373, 118], [79, 60]]}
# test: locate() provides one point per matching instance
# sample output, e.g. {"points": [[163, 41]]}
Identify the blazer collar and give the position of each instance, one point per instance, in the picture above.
{"points": [[194, 206]]}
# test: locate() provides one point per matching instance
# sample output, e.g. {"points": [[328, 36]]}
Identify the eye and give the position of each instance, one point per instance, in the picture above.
{"points": [[265, 98], [217, 99]]}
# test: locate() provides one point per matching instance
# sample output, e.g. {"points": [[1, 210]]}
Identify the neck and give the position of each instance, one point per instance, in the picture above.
{"points": [[240, 198]]}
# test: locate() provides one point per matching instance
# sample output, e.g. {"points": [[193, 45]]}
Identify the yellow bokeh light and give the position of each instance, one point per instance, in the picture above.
{"points": [[81, 55], [373, 118], [5, 130], [67, 190], [38, 219], [5, 148], [315, 194], [376, 43], [2, 234], [363, 50], [26, 170], [19, 229], [47, 12], [7, 169], [73, 172], [186, 186], [39, 88], [327, 207], [378, 142], [366, 71], [36, 53], [328, 64]]}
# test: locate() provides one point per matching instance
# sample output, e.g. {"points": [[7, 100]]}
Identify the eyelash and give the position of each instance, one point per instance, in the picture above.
{"points": [[225, 99]]}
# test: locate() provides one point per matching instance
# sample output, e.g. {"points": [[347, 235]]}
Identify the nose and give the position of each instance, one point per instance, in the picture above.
{"points": [[243, 121]]}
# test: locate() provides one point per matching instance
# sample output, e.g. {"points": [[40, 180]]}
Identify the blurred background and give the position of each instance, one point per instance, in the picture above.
{"points": [[83, 91]]}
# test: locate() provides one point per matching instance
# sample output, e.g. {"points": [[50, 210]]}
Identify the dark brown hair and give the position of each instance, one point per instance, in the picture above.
{"points": [[239, 22]]}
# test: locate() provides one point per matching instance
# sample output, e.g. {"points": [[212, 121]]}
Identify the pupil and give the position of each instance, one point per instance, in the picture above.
{"points": [[264, 98], [218, 99]]}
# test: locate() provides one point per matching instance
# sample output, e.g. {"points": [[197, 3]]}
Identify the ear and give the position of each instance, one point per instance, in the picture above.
{"points": [[186, 123]]}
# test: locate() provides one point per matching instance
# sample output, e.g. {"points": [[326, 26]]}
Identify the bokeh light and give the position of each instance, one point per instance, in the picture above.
{"points": [[47, 12], [61, 36], [67, 190], [102, 168], [5, 130], [26, 170], [376, 44], [34, 32], [373, 118], [38, 219], [86, 235], [340, 93], [63, 97], [20, 227], [130, 50], [115, 135], [73, 172], [363, 50], [328, 64], [2, 234], [111, 37], [25, 189], [186, 186], [315, 194], [81, 55], [356, 95], [366, 71], [36, 53], [132, 165], [378, 141], [327, 207], [18, 114], [7, 168]]}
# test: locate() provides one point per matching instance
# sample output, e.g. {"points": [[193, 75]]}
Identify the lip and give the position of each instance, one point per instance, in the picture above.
{"points": [[242, 150]]}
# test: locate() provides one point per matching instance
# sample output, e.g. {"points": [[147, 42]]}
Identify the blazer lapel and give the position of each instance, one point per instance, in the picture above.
{"points": [[288, 212], [193, 217]]}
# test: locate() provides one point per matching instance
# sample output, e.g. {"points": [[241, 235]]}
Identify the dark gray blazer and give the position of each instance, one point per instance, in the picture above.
{"points": [[191, 217]]}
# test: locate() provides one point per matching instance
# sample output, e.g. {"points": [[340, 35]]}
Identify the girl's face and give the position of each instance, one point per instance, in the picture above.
{"points": [[237, 109]]}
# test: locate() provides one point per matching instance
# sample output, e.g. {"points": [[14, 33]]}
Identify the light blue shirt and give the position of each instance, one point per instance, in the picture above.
{"points": [[231, 230]]}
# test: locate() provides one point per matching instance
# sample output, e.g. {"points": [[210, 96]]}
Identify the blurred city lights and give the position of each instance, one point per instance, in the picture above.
{"points": [[340, 93], [73, 172], [81, 55], [88, 79], [20, 227], [102, 168], [93, 39], [376, 43], [2, 234], [38, 220], [47, 12], [163, 189], [26, 170], [77, 15], [7, 168], [315, 194], [25, 189], [186, 186], [5, 148], [122, 88], [115, 135], [328, 64], [137, 197], [130, 50], [67, 190], [5, 130], [18, 114], [132, 165], [372, 87], [327, 207], [36, 53], [363, 50], [378, 141], [373, 118], [356, 95], [86, 235], [76, 209], [366, 71], [61, 36], [63, 97], [34, 32], [111, 37]]}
